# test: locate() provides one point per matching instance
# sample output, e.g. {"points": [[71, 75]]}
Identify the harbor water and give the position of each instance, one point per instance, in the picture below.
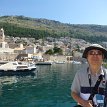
{"points": [[49, 87]]}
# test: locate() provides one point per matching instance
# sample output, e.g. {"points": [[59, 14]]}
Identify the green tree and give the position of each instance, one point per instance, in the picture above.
{"points": [[58, 50], [50, 52]]}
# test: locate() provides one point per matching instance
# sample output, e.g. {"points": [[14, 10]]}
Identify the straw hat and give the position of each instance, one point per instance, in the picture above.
{"points": [[95, 46]]}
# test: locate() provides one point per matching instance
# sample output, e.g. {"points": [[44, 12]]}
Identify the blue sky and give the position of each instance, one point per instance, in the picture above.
{"points": [[65, 11]]}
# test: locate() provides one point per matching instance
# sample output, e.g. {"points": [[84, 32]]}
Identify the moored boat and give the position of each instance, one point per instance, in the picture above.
{"points": [[17, 68], [75, 62], [60, 62]]}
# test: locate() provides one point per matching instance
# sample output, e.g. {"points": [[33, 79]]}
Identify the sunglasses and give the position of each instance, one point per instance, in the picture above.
{"points": [[94, 52]]}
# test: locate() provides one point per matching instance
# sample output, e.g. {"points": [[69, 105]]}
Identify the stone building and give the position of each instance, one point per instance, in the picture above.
{"points": [[6, 53]]}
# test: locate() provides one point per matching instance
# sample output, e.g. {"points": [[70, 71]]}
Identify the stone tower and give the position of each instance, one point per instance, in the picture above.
{"points": [[2, 36]]}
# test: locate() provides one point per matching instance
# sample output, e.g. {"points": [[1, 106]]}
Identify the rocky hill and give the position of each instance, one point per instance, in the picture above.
{"points": [[40, 28]]}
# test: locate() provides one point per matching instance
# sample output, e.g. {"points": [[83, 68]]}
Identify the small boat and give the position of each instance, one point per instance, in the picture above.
{"points": [[16, 68], [60, 62], [75, 62]]}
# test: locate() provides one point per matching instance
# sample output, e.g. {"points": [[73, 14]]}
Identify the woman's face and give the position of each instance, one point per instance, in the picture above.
{"points": [[95, 57]]}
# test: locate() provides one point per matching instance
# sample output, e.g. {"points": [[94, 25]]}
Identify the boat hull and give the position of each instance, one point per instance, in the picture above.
{"points": [[22, 72]]}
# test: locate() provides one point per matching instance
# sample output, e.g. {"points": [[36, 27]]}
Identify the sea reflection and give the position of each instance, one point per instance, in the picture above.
{"points": [[9, 80]]}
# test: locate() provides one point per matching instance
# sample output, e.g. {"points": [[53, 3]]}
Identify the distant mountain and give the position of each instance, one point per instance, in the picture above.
{"points": [[40, 28]]}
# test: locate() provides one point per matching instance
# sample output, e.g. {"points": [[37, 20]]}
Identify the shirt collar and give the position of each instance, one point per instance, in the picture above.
{"points": [[101, 71]]}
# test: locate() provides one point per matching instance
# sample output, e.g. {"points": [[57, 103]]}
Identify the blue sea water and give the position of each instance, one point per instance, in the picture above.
{"points": [[50, 87]]}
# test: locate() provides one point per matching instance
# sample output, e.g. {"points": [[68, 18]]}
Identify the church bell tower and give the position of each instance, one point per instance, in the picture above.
{"points": [[2, 36]]}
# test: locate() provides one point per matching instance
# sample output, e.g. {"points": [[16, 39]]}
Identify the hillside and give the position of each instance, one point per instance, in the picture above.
{"points": [[40, 28]]}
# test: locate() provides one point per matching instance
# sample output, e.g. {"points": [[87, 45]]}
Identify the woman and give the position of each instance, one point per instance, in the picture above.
{"points": [[86, 78]]}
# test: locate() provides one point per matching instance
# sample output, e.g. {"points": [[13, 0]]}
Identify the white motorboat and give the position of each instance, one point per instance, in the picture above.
{"points": [[16, 68], [60, 62], [75, 62]]}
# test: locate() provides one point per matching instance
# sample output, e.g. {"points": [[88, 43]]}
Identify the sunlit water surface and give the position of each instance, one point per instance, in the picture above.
{"points": [[50, 87]]}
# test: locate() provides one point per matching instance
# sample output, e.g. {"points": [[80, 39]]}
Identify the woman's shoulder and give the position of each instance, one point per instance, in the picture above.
{"points": [[83, 70], [105, 72]]}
